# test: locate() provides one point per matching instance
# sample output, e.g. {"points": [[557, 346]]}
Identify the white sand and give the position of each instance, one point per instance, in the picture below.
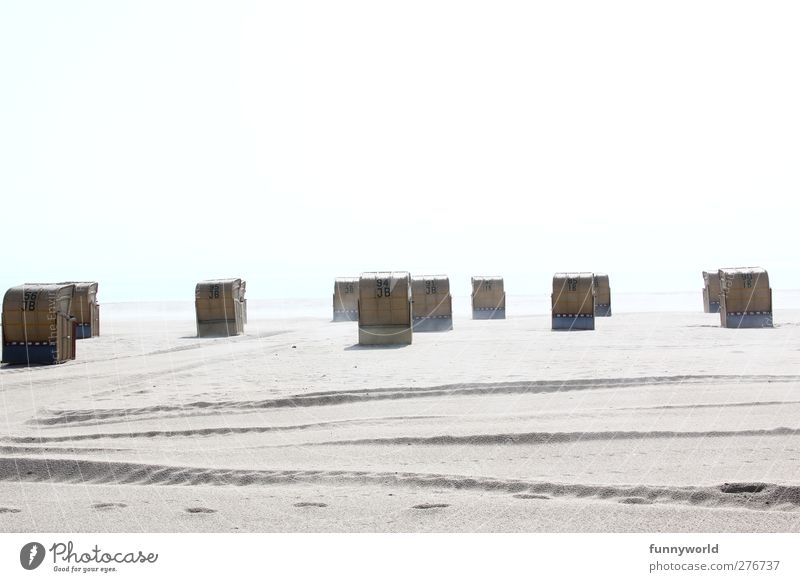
{"points": [[495, 426]]}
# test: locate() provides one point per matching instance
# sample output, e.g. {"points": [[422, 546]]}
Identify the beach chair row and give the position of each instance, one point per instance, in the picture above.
{"points": [[42, 321]]}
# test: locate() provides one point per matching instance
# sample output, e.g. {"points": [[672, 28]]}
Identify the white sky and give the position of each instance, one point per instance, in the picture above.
{"points": [[148, 145]]}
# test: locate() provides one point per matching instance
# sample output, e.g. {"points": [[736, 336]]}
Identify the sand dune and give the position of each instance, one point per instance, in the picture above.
{"points": [[653, 422]]}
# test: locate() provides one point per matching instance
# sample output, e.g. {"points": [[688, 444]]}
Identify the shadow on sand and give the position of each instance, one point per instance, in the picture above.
{"points": [[356, 347]]}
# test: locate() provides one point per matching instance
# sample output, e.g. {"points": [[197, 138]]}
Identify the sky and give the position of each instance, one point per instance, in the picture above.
{"points": [[151, 144]]}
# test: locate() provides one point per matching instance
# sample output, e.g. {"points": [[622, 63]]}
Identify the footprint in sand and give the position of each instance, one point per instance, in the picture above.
{"points": [[636, 501], [530, 496], [200, 510], [108, 506], [9, 510], [310, 504], [431, 506]]}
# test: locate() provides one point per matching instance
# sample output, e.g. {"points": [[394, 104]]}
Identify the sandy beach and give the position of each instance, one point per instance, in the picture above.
{"points": [[655, 421]]}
